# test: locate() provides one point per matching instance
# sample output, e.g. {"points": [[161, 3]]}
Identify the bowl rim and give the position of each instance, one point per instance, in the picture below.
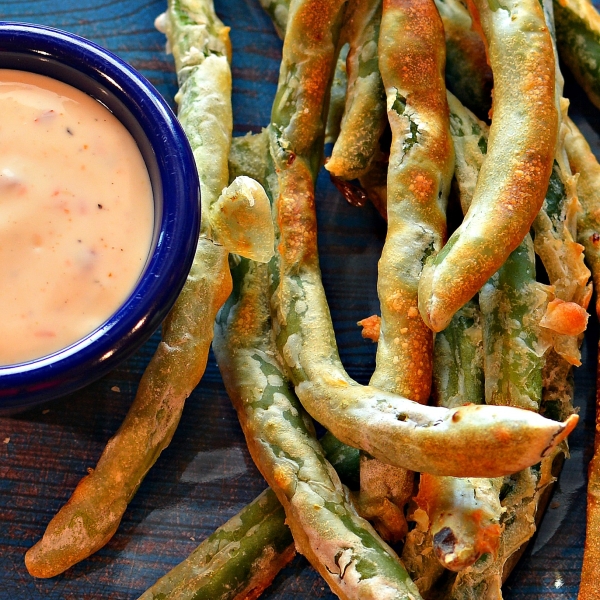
{"points": [[170, 259]]}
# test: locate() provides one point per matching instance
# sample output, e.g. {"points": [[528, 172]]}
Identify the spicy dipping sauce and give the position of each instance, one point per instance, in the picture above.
{"points": [[76, 215]]}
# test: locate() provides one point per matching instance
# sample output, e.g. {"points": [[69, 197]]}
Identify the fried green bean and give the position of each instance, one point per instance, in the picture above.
{"points": [[373, 502], [334, 447], [236, 217], [456, 519], [555, 232], [553, 226], [464, 514], [588, 587], [278, 10], [512, 304], [237, 562], [578, 40], [327, 530], [94, 511], [420, 170], [585, 164], [201, 50], [421, 163], [520, 496], [459, 518], [390, 428], [511, 308], [468, 75], [523, 137], [458, 359], [337, 98], [364, 114], [555, 229], [243, 556]]}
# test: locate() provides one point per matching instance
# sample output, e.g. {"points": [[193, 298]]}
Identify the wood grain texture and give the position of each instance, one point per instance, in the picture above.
{"points": [[206, 475]]}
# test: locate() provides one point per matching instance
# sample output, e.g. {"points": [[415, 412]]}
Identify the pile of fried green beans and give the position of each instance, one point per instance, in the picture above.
{"points": [[456, 442]]}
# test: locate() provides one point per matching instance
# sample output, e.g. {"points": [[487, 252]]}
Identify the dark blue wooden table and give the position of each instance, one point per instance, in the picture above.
{"points": [[206, 475]]}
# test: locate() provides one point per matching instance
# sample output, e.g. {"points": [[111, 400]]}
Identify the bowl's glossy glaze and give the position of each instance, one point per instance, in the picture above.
{"points": [[170, 163]]}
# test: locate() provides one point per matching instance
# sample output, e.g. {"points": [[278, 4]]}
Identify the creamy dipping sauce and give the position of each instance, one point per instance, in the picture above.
{"points": [[76, 215]]}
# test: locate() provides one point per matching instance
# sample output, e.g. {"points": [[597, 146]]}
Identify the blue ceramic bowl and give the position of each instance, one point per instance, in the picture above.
{"points": [[170, 163]]}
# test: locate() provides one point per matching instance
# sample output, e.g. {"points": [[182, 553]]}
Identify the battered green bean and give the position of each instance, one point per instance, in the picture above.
{"points": [[523, 137], [458, 378], [516, 302], [242, 557], [373, 501], [201, 51], [245, 284], [339, 544], [588, 588], [555, 230], [585, 164], [420, 169], [468, 75], [512, 304], [553, 227], [457, 519], [392, 429], [560, 223], [364, 114], [521, 495], [578, 40], [278, 10], [337, 98], [458, 359], [464, 514], [237, 562], [421, 162], [94, 511], [485, 577]]}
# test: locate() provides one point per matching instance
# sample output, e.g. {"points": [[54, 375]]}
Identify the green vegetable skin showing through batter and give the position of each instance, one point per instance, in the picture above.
{"points": [[523, 135], [339, 544], [92, 515]]}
